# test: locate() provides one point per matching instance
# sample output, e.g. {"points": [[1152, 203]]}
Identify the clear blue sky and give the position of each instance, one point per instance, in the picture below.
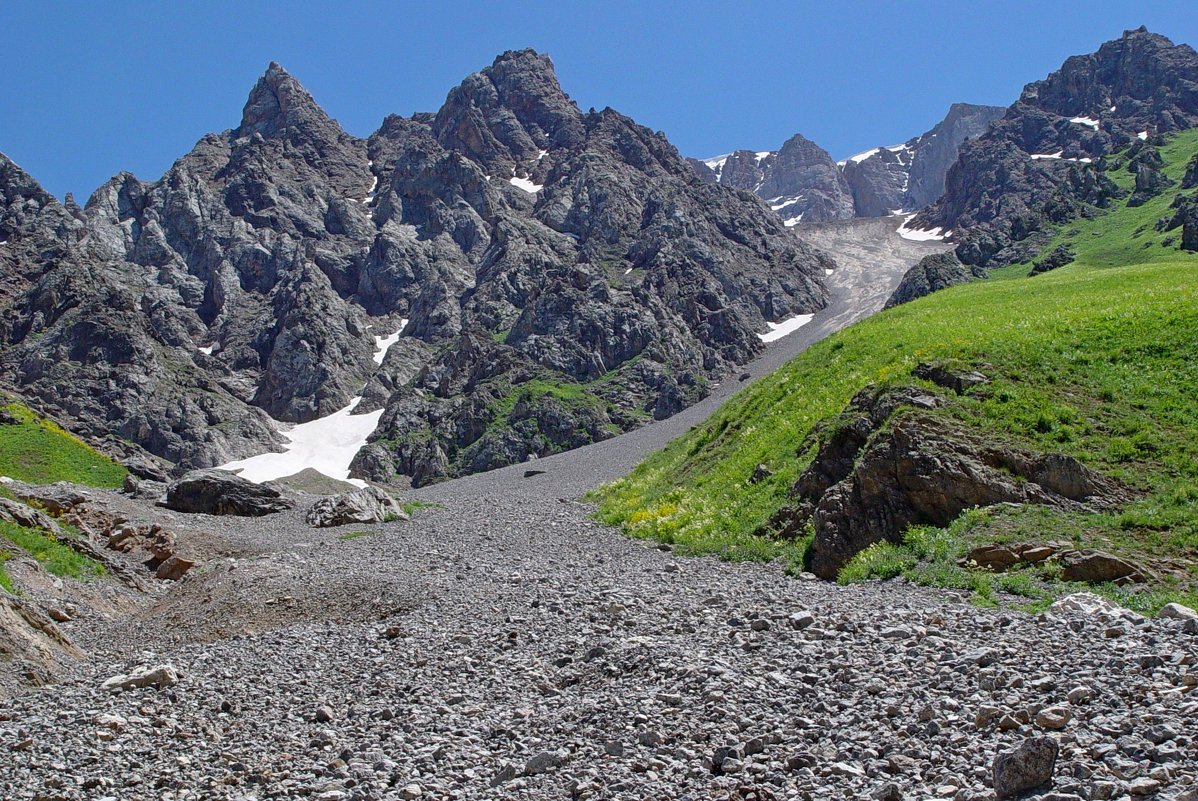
{"points": [[89, 89]]}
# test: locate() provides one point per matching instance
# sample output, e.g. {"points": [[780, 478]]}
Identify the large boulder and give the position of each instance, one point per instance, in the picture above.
{"points": [[368, 505], [1025, 768], [217, 492]]}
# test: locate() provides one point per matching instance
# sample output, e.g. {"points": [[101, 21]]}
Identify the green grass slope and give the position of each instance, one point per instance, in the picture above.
{"points": [[1086, 360], [37, 451]]}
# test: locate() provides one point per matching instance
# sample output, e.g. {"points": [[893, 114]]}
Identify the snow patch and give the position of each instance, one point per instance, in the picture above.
{"points": [[1059, 156], [1088, 121], [542, 154], [918, 235], [763, 154], [860, 157], [525, 184], [779, 330], [626, 272], [717, 162], [327, 445], [383, 344], [793, 221], [206, 349], [828, 271], [897, 148], [781, 206], [1142, 136]]}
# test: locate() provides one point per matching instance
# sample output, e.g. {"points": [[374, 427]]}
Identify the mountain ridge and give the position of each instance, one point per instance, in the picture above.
{"points": [[803, 184], [244, 287]]}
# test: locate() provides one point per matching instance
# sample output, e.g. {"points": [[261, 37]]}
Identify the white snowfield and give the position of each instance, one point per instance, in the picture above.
{"points": [[717, 162], [1059, 155], [327, 444], [1089, 121], [526, 185], [779, 330], [1142, 136], [917, 235], [793, 221]]}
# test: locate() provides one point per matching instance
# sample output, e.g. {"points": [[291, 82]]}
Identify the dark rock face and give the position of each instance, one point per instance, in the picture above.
{"points": [[885, 464], [931, 274], [522, 239], [1043, 162], [1185, 216], [803, 184], [1057, 257], [216, 492]]}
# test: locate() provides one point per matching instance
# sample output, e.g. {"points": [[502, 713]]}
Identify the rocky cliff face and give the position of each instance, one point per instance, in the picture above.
{"points": [[1044, 162], [564, 275], [803, 184], [909, 176], [800, 181]]}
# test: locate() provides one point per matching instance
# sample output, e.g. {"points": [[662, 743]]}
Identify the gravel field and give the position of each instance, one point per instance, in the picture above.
{"points": [[502, 644]]}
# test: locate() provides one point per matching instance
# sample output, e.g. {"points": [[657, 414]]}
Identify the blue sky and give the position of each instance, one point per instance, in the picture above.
{"points": [[89, 89]]}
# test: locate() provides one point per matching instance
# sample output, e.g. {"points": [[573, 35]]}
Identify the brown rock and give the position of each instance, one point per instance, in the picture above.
{"points": [[1098, 566], [174, 568]]}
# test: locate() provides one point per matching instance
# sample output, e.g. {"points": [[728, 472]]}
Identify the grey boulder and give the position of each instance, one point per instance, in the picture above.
{"points": [[1025, 768], [217, 492], [368, 505]]}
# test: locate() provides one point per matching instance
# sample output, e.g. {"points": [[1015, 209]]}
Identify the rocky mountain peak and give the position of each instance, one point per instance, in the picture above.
{"points": [[508, 113], [1134, 74], [279, 102]]}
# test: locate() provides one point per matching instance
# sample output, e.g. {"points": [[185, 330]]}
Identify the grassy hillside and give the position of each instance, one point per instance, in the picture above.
{"points": [[1086, 360], [37, 451]]}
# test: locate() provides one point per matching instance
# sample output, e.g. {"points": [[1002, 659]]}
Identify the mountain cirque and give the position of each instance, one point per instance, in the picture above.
{"points": [[565, 277], [803, 184]]}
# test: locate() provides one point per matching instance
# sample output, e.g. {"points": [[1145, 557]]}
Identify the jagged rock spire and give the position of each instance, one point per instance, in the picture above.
{"points": [[278, 102]]}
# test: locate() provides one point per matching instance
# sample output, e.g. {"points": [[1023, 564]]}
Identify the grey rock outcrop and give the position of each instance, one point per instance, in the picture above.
{"points": [[886, 463], [216, 492], [931, 274]]}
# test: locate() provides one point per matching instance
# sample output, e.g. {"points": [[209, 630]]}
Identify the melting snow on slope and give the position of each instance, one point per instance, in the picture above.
{"points": [[784, 204], [207, 349], [916, 235], [779, 330], [762, 155], [860, 157], [1090, 121], [1058, 155], [717, 163], [327, 444], [1142, 135], [793, 221], [542, 154], [383, 344], [526, 185]]}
